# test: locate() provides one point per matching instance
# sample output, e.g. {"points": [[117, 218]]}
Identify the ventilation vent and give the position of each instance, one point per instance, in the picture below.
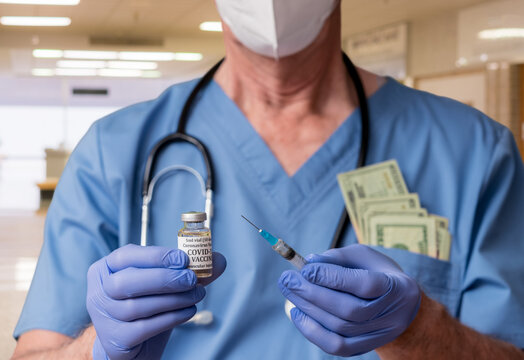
{"points": [[97, 92], [122, 41]]}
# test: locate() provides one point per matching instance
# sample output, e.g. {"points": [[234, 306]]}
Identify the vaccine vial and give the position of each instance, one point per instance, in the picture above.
{"points": [[195, 240]]}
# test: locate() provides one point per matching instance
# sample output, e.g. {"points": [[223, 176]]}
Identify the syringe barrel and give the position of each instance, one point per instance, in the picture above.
{"points": [[298, 261], [288, 253]]}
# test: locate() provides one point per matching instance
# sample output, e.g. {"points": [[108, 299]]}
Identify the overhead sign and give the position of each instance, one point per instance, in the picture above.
{"points": [[382, 51]]}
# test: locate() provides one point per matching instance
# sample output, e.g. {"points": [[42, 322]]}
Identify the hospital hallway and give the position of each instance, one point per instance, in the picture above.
{"points": [[388, 132], [20, 241]]}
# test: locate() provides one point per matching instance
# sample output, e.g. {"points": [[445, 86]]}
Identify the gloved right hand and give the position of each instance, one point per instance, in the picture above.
{"points": [[137, 295]]}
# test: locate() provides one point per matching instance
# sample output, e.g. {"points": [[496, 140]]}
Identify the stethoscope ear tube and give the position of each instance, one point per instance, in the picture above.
{"points": [[179, 136], [170, 139], [146, 200], [344, 222]]}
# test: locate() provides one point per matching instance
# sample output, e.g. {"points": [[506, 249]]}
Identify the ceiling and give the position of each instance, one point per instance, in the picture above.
{"points": [[157, 18], [173, 24]]}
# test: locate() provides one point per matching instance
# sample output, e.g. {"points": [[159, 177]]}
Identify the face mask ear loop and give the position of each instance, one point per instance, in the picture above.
{"points": [[146, 200], [275, 33]]}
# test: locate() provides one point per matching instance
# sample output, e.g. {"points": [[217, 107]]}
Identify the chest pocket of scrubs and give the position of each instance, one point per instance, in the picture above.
{"points": [[440, 280]]}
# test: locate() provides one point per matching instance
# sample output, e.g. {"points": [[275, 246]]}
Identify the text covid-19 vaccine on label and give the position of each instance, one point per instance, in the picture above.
{"points": [[195, 240]]}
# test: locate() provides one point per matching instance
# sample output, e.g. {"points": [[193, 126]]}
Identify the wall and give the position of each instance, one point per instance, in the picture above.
{"points": [[433, 45], [469, 88], [504, 96], [496, 88]]}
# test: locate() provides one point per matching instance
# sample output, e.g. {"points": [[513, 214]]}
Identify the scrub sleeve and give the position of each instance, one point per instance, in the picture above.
{"points": [[493, 284], [80, 229]]}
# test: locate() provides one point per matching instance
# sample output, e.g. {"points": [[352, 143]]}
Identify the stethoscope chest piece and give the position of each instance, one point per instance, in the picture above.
{"points": [[288, 306]]}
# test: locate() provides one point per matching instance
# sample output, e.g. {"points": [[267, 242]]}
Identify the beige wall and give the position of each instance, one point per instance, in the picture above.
{"points": [[504, 96], [432, 57], [433, 45], [468, 88]]}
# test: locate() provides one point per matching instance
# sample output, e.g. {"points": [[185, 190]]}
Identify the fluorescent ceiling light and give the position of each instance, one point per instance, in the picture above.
{"points": [[48, 54], [159, 56], [90, 54], [138, 65], [75, 72], [34, 21], [80, 64], [151, 74], [501, 33], [140, 60], [211, 26], [41, 2], [188, 56], [146, 56], [120, 73], [42, 72]]}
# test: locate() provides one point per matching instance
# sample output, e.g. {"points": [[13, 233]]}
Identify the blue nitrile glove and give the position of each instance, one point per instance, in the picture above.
{"points": [[352, 300], [137, 295]]}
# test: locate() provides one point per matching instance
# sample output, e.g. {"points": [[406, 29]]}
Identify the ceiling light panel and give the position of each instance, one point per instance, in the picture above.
{"points": [[41, 2], [501, 33], [138, 65], [146, 56], [211, 26], [90, 54], [151, 74], [80, 64], [34, 21], [48, 53], [75, 72], [159, 56], [188, 56], [119, 73], [42, 72]]}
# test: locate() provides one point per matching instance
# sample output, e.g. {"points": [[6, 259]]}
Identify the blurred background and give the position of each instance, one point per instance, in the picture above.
{"points": [[66, 63]]}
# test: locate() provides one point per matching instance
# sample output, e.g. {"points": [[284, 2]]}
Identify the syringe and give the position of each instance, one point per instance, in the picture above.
{"points": [[281, 247]]}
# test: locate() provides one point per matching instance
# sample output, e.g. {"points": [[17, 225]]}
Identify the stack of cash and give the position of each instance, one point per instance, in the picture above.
{"points": [[384, 213]]}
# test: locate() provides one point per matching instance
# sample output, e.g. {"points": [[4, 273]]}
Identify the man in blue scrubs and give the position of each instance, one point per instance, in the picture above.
{"points": [[280, 120]]}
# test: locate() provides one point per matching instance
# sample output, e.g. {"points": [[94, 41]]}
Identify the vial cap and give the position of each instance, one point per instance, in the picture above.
{"points": [[194, 216]]}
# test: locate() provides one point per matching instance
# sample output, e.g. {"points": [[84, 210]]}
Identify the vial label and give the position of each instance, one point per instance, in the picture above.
{"points": [[199, 250]]}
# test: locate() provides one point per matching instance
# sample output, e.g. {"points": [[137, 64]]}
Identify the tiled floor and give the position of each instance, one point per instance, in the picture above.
{"points": [[21, 235]]}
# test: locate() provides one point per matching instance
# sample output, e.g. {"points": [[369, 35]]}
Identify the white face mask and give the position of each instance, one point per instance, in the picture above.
{"points": [[275, 28]]}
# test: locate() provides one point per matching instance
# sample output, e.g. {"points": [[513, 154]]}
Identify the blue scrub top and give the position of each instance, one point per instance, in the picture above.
{"points": [[464, 166]]}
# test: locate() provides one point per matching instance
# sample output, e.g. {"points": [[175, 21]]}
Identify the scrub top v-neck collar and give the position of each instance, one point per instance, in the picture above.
{"points": [[316, 176]]}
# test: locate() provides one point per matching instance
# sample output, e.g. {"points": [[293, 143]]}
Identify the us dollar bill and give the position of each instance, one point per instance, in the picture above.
{"points": [[416, 235], [379, 180], [379, 209], [398, 202], [443, 238]]}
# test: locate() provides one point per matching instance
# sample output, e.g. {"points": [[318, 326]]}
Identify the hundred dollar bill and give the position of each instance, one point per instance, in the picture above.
{"points": [[379, 180], [442, 237], [379, 209], [412, 234]]}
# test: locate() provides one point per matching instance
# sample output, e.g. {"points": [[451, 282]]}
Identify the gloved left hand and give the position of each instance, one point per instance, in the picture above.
{"points": [[352, 300]]}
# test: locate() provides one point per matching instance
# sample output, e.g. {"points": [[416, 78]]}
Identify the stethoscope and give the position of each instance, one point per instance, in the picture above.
{"points": [[180, 135]]}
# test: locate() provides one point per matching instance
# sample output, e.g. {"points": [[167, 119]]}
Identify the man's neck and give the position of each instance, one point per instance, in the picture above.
{"points": [[308, 82], [297, 102]]}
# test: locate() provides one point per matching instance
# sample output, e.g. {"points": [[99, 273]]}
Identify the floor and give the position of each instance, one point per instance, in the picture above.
{"points": [[21, 235]]}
